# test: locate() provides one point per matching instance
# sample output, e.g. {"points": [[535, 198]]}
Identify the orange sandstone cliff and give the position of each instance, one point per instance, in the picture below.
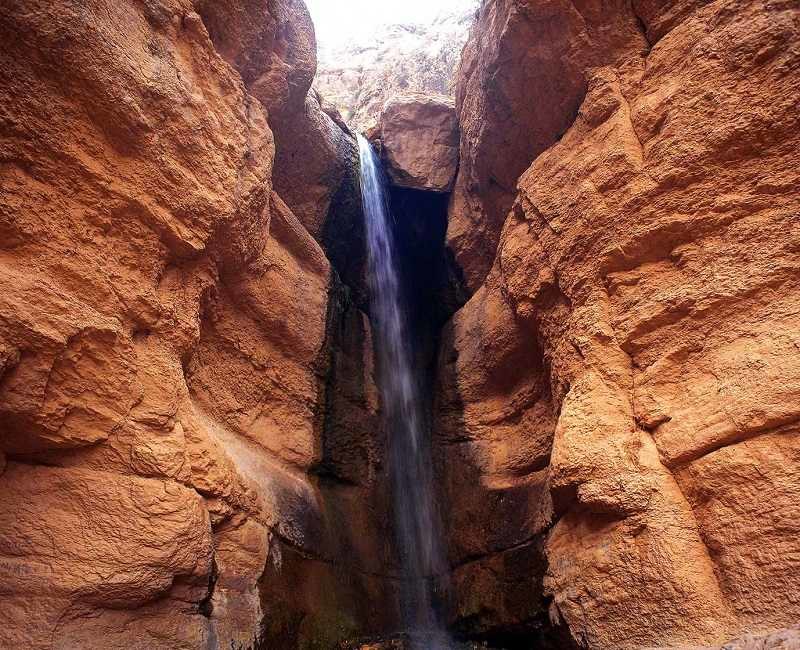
{"points": [[171, 333], [608, 306], [618, 403]]}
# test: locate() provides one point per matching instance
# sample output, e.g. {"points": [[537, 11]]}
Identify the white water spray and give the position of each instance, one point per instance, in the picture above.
{"points": [[417, 527]]}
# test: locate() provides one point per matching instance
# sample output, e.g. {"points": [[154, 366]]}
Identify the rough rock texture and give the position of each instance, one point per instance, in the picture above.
{"points": [[419, 141], [314, 156], [623, 384], [190, 449], [168, 348], [787, 639], [129, 183], [271, 43], [515, 100], [360, 76]]}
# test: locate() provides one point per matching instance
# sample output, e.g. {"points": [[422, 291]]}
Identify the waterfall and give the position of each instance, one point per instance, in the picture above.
{"points": [[417, 527]]}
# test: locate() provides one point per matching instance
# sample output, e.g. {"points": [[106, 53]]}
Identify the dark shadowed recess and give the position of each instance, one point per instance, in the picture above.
{"points": [[432, 283], [434, 290]]}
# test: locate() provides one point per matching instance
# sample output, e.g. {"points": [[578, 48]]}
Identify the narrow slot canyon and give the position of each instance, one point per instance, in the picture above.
{"points": [[463, 325]]}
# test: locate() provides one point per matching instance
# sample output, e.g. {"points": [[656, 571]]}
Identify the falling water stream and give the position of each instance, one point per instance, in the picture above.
{"points": [[417, 527]]}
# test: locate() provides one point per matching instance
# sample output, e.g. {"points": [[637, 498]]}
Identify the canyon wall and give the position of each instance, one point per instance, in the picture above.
{"points": [[618, 429], [181, 369], [191, 453]]}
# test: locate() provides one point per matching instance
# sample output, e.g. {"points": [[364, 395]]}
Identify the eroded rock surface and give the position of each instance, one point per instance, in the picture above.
{"points": [[522, 78], [419, 141], [623, 379], [272, 45], [190, 449], [167, 340]]}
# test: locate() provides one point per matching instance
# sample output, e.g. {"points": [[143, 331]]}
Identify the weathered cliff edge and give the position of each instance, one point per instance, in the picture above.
{"points": [[618, 406], [176, 352]]}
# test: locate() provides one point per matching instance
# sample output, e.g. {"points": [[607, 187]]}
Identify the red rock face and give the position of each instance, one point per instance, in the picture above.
{"points": [[629, 361], [272, 45], [190, 449], [419, 142], [522, 79], [166, 341]]}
